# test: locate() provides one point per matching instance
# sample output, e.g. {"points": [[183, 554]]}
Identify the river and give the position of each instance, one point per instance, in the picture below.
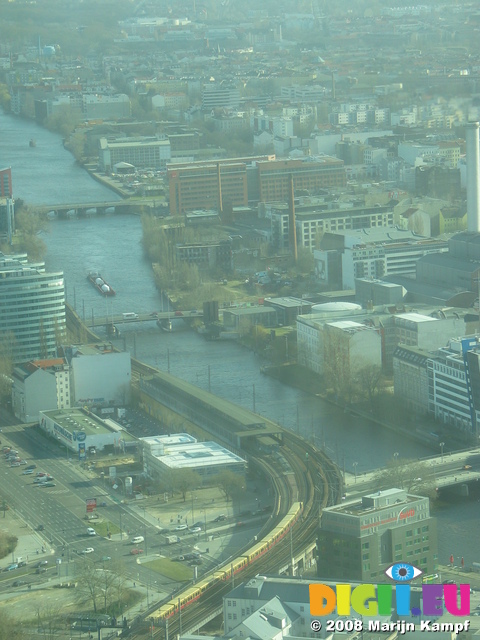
{"points": [[112, 245]]}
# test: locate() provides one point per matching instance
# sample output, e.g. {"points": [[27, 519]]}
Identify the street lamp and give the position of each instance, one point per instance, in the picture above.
{"points": [[442, 444], [355, 470]]}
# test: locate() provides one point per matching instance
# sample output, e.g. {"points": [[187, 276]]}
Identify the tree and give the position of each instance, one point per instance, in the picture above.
{"points": [[337, 372], [229, 483], [404, 474], [369, 381], [99, 587], [10, 629], [186, 480], [7, 344], [49, 619], [89, 587], [305, 260]]}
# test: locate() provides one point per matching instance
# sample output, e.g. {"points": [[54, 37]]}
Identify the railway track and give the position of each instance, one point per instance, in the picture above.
{"points": [[300, 473]]}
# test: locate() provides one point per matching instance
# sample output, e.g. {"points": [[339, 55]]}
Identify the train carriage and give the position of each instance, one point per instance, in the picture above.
{"points": [[237, 565]]}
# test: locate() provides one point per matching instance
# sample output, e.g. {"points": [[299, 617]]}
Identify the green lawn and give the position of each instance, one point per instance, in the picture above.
{"points": [[174, 570], [102, 528]]}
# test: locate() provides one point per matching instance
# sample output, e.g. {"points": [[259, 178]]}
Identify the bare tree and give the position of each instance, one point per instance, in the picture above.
{"points": [[10, 629], [89, 588], [405, 474], [185, 480], [369, 381], [229, 483], [50, 621]]}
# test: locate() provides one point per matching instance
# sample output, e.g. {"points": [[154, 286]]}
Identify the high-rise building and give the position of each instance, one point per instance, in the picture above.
{"points": [[6, 190], [32, 308], [7, 220], [360, 539]]}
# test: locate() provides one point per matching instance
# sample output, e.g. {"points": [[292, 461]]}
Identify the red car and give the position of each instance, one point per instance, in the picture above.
{"points": [[135, 552]]}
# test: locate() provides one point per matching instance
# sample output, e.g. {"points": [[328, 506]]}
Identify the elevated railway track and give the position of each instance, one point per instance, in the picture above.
{"points": [[303, 480]]}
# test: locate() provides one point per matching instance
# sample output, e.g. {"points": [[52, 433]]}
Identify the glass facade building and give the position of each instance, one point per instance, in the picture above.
{"points": [[32, 308]]}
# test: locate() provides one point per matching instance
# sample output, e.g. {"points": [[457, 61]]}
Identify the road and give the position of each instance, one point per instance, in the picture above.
{"points": [[61, 510]]}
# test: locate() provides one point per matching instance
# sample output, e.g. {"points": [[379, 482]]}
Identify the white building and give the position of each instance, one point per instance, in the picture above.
{"points": [[32, 307], [140, 152], [40, 385], [435, 382], [81, 431], [100, 376], [164, 454], [386, 252]]}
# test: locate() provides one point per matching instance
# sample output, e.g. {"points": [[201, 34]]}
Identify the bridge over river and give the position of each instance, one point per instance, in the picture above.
{"points": [[448, 470], [118, 320], [87, 209]]}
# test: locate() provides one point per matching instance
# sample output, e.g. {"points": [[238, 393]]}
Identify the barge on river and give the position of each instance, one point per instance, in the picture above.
{"points": [[100, 284]]}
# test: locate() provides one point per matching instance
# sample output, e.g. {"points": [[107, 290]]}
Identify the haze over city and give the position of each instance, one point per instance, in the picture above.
{"points": [[239, 318]]}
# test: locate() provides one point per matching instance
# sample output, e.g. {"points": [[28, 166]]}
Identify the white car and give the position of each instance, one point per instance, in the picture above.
{"points": [[87, 550], [181, 527], [195, 529], [91, 531]]}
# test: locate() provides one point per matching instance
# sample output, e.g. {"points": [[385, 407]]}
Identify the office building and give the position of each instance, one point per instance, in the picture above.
{"points": [[207, 185], [219, 96], [139, 152], [211, 254], [7, 220], [309, 174], [435, 382], [360, 539], [163, 455], [6, 189], [32, 308]]}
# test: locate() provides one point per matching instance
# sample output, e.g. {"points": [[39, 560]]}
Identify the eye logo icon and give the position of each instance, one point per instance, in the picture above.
{"points": [[402, 572]]}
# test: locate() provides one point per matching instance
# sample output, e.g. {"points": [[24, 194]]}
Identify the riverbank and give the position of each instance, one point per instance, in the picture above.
{"points": [[421, 431]]}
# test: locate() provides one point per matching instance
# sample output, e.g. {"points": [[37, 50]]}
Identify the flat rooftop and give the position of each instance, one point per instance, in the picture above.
{"points": [[198, 455], [175, 438], [77, 419]]}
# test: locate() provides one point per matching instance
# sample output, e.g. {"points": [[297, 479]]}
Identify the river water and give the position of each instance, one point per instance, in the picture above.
{"points": [[47, 174]]}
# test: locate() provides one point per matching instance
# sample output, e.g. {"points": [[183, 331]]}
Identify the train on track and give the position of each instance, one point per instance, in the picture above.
{"points": [[193, 593]]}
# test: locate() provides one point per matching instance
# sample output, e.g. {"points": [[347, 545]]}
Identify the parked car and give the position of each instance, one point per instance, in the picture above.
{"points": [[32, 466], [40, 527], [15, 464], [27, 472], [47, 484]]}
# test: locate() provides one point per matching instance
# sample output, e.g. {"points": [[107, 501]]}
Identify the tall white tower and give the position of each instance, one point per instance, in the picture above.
{"points": [[473, 177]]}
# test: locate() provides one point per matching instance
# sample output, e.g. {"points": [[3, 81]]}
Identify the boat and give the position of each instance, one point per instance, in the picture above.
{"points": [[165, 324], [100, 284], [33, 142]]}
